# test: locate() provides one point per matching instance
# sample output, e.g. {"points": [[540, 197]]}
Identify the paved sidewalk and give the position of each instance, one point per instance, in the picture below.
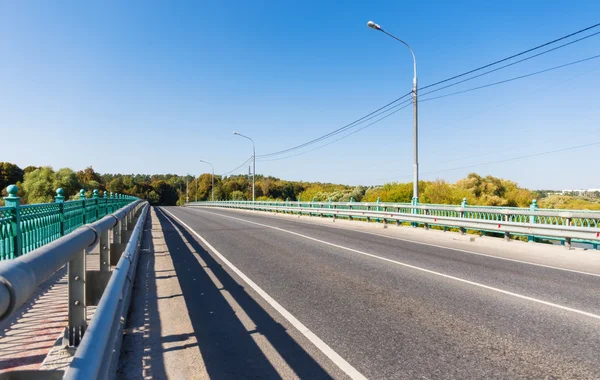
{"points": [[159, 340]]}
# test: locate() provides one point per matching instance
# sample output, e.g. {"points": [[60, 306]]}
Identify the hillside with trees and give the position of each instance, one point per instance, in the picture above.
{"points": [[39, 184]]}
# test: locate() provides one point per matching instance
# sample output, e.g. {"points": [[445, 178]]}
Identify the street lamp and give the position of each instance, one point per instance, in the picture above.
{"points": [[212, 196], [253, 161], [415, 199]]}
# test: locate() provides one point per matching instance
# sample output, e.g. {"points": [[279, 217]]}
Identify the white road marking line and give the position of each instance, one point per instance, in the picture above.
{"points": [[532, 299], [325, 349], [441, 246]]}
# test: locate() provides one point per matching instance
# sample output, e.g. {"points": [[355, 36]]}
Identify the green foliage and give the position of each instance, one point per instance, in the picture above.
{"points": [[153, 198], [570, 202], [10, 174], [237, 195], [390, 192], [39, 184]]}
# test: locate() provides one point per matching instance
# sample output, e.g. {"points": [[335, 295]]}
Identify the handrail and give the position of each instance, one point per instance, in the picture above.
{"points": [[24, 228], [95, 357], [20, 277]]}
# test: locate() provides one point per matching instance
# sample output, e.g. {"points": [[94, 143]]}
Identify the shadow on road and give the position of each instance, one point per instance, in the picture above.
{"points": [[227, 347], [144, 324]]}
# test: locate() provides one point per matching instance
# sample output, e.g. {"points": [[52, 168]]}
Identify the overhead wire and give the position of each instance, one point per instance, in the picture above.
{"points": [[510, 64], [339, 130], [404, 104], [239, 167], [507, 159], [511, 57], [366, 117], [507, 80], [429, 99]]}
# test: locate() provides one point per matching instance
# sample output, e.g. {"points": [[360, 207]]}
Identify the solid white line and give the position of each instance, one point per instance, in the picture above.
{"points": [[536, 300], [439, 246], [325, 349]]}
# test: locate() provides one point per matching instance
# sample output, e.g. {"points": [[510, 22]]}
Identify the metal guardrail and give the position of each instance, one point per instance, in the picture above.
{"points": [[564, 225], [24, 228], [106, 289]]}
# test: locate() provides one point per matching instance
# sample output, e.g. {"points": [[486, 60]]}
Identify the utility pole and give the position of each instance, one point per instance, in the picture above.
{"points": [[415, 198], [253, 160]]}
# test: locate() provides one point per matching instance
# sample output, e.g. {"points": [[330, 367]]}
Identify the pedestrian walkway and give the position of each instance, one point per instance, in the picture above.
{"points": [[159, 339]]}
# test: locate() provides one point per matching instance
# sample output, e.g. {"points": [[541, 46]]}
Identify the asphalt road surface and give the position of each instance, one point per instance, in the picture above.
{"points": [[356, 304]]}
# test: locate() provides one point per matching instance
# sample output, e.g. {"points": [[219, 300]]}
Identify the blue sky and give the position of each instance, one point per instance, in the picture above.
{"points": [[153, 87]]}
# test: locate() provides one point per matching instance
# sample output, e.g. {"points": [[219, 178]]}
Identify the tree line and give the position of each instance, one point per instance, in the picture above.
{"points": [[39, 184]]}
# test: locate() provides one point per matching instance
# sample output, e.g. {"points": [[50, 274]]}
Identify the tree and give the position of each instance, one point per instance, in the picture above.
{"points": [[29, 169], [39, 185], [116, 186], [166, 193], [153, 198], [88, 175], [237, 196], [67, 180], [10, 174]]}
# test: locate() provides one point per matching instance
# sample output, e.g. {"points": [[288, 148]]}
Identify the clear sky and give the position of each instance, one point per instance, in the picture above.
{"points": [[153, 87]]}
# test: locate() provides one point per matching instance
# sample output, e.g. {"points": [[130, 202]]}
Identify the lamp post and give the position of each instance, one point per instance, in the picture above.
{"points": [[415, 198], [253, 161], [212, 188]]}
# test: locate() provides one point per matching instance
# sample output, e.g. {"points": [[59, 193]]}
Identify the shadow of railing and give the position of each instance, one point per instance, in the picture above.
{"points": [[28, 334], [143, 329], [226, 345]]}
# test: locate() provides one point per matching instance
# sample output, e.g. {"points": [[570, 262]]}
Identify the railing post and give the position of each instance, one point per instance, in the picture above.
{"points": [[77, 315], [507, 234], [60, 199], [350, 207], [115, 247], [12, 200], [533, 207], [124, 229], [379, 209], [82, 198], [104, 251], [568, 239], [97, 200], [414, 201], [463, 205]]}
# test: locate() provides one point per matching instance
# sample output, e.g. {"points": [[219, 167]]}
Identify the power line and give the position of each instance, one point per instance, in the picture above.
{"points": [[244, 163], [339, 130], [509, 80], [510, 64], [434, 98], [348, 135], [362, 119], [511, 57], [510, 159]]}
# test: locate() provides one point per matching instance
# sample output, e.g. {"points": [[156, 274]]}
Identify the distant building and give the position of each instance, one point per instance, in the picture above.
{"points": [[581, 191]]}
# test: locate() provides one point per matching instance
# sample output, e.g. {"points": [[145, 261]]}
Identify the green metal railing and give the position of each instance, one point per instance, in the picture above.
{"points": [[525, 215], [24, 228]]}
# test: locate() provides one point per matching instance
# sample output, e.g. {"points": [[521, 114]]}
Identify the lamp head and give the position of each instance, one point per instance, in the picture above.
{"points": [[372, 25], [235, 133]]}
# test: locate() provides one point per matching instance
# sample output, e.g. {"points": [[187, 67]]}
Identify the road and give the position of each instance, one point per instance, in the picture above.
{"points": [[356, 304]]}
